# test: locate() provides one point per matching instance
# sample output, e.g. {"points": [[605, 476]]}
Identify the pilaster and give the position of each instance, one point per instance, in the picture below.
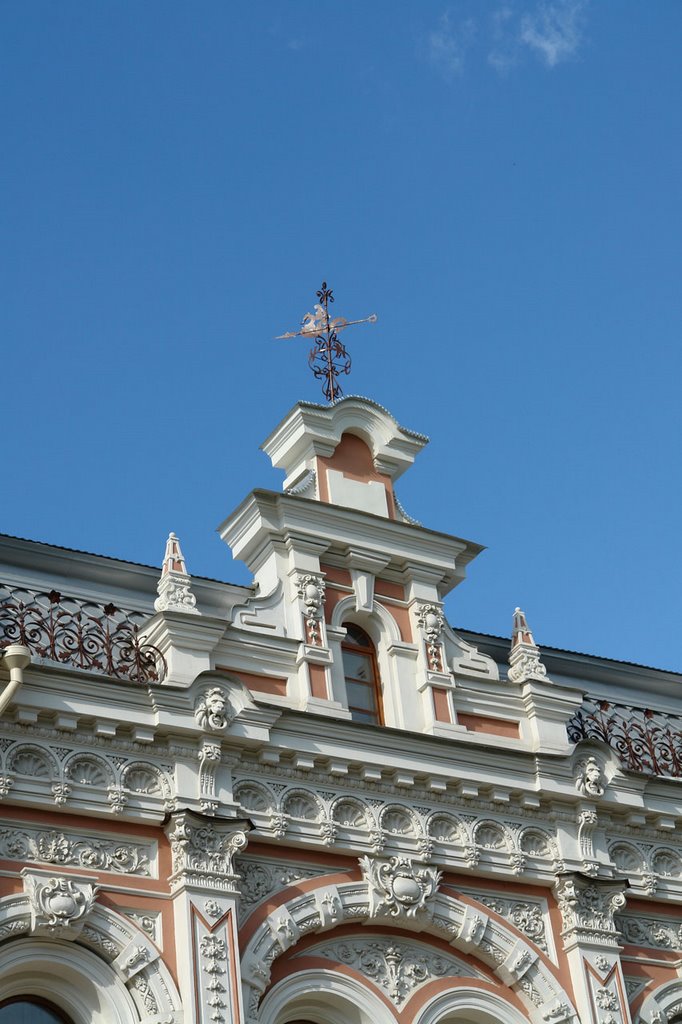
{"points": [[205, 893], [591, 943]]}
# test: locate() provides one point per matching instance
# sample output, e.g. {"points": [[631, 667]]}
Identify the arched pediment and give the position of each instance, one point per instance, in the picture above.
{"points": [[464, 926], [109, 953]]}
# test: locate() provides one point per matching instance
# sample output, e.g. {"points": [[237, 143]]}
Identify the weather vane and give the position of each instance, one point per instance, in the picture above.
{"points": [[328, 358]]}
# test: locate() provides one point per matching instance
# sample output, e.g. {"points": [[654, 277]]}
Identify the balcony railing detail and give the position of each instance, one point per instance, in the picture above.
{"points": [[82, 634], [644, 740]]}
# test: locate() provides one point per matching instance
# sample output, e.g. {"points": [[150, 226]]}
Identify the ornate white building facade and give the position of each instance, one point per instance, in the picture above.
{"points": [[310, 800]]}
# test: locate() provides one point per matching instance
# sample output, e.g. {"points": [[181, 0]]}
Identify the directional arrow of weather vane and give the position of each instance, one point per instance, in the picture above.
{"points": [[328, 358]]}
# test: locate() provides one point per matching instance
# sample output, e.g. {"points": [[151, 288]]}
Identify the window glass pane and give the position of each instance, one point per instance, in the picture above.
{"points": [[357, 636], [357, 666], [360, 696], [25, 1011], [370, 717]]}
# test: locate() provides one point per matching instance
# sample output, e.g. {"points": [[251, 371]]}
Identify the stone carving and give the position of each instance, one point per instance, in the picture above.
{"points": [[214, 957], [588, 779], [48, 846], [398, 967], [654, 932], [211, 711], [260, 878], [603, 964], [524, 657], [311, 591], [5, 785], [587, 907], [209, 760], [525, 915], [61, 792], [118, 798], [606, 999], [558, 1012], [398, 887], [174, 586], [587, 822], [431, 621], [147, 920], [212, 908], [203, 849], [59, 904]]}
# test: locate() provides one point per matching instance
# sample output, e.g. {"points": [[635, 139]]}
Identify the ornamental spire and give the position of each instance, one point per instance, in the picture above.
{"points": [[524, 657], [328, 357], [174, 586]]}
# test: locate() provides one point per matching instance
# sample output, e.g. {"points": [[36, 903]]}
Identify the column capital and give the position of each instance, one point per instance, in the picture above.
{"points": [[203, 850], [588, 906]]}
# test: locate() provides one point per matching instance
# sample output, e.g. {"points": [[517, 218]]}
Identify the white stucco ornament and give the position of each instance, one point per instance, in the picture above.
{"points": [[399, 887], [211, 711], [59, 904], [588, 781]]}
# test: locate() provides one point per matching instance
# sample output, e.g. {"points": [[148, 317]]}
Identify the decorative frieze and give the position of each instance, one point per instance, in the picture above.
{"points": [[397, 967], [35, 844], [653, 932]]}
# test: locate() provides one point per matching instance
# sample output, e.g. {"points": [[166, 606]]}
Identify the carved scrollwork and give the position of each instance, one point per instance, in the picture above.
{"points": [[432, 621], [399, 887], [588, 907], [203, 849], [311, 592], [59, 904]]}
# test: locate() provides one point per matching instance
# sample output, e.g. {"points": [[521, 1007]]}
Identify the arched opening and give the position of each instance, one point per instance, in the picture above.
{"points": [[361, 672], [31, 1010]]}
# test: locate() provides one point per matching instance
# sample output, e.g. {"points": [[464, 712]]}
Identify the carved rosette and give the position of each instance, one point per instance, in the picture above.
{"points": [[399, 887], [310, 588], [588, 906], [212, 711], [431, 621], [203, 850], [59, 904]]}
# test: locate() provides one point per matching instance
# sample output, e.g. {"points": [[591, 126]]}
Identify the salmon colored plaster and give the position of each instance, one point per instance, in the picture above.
{"points": [[561, 973], [353, 458], [441, 704], [259, 684], [120, 900], [491, 726], [334, 574], [291, 892], [295, 960], [318, 681]]}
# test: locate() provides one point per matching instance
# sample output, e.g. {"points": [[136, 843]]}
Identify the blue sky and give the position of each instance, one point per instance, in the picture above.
{"points": [[500, 182]]}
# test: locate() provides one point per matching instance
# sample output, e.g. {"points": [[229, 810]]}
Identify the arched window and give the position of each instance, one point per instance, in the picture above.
{"points": [[30, 1010], [362, 676]]}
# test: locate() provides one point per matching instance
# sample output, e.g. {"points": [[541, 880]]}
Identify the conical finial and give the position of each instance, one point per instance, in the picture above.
{"points": [[521, 633], [524, 657], [174, 586], [174, 560]]}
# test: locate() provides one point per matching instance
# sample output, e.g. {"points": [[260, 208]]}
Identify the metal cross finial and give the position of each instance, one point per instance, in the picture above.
{"points": [[328, 358]]}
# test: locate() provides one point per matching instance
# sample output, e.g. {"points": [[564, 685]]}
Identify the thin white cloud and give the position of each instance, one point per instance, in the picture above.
{"points": [[447, 45], [504, 54], [554, 30]]}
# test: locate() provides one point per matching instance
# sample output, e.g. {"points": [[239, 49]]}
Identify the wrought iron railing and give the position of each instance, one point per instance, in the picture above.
{"points": [[82, 634], [645, 741]]}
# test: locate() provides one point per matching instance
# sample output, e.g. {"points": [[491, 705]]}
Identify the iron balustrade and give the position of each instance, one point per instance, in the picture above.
{"points": [[644, 740], [82, 634]]}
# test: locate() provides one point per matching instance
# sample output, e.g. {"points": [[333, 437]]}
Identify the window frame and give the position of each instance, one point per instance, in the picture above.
{"points": [[369, 652]]}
